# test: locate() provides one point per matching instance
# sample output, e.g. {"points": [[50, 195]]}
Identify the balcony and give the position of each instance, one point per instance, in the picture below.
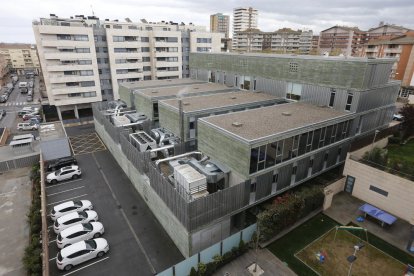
{"points": [[66, 43], [67, 55], [130, 75], [73, 89], [165, 73], [60, 78], [393, 50]]}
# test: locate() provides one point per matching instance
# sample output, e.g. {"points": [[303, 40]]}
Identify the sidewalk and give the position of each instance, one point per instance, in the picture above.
{"points": [[268, 262]]}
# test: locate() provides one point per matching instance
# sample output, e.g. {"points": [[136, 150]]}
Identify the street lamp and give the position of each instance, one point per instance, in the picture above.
{"points": [[351, 259], [372, 145]]}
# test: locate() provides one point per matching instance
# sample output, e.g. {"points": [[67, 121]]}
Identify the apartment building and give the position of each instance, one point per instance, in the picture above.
{"points": [[244, 19], [386, 30], [20, 57], [4, 70], [245, 153], [350, 41], [107, 53], [283, 41], [402, 49], [341, 40], [220, 23]]}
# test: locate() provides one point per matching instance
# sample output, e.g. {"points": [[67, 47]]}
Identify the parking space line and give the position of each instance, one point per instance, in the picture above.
{"points": [[80, 187], [66, 199], [86, 266], [125, 217], [57, 185], [5, 194], [52, 259], [52, 241], [50, 226]]}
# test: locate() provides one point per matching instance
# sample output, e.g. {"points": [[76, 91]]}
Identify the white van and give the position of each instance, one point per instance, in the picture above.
{"points": [[27, 126]]}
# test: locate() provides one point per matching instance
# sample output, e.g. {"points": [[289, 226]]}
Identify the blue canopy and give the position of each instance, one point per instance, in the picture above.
{"points": [[378, 214]]}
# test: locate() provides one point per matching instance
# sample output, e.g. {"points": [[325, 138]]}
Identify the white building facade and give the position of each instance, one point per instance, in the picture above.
{"points": [[243, 19], [84, 59]]}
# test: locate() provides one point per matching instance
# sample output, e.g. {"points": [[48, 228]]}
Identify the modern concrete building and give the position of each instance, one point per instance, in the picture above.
{"points": [[252, 155], [244, 19], [85, 58], [282, 41], [20, 57], [402, 49], [220, 23], [194, 108], [146, 100]]}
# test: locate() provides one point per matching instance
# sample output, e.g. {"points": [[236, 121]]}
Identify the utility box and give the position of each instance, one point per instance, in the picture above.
{"points": [[192, 181], [120, 120]]}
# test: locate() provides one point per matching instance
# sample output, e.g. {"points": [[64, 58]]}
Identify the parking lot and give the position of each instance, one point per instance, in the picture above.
{"points": [[138, 243]]}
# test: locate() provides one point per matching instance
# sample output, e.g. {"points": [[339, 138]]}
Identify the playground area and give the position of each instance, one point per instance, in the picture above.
{"points": [[331, 254]]}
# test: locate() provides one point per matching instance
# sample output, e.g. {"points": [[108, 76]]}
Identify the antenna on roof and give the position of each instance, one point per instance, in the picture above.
{"points": [[92, 11]]}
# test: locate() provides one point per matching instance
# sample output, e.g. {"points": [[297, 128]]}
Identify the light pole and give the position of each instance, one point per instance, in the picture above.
{"points": [[257, 245], [372, 146], [351, 259]]}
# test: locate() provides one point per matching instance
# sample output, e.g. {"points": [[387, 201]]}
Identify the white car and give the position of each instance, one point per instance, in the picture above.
{"points": [[73, 218], [79, 232], [81, 252], [69, 172], [69, 207]]}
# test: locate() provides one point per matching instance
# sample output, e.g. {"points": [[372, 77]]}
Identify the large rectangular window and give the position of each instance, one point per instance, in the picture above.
{"points": [[118, 38], [203, 40], [332, 98], [378, 190], [81, 37], [349, 101], [83, 50]]}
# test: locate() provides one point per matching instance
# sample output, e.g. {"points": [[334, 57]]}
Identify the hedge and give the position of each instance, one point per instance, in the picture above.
{"points": [[32, 260]]}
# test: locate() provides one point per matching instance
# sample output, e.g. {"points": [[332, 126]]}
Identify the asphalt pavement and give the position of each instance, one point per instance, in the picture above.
{"points": [[16, 102], [138, 243]]}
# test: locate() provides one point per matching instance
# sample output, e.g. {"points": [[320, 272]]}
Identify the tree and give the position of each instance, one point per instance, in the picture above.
{"points": [[408, 122]]}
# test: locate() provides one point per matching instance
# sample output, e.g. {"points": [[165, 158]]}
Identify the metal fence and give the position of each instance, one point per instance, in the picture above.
{"points": [[207, 255], [172, 198], [17, 163], [192, 214]]}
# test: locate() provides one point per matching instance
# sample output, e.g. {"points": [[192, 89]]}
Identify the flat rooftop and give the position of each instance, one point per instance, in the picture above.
{"points": [[173, 91], [267, 121], [51, 131], [158, 83], [220, 100]]}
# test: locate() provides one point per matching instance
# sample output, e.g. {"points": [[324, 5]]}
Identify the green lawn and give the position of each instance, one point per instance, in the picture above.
{"points": [[288, 245], [402, 152]]}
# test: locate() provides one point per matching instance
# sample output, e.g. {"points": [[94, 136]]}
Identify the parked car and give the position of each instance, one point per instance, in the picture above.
{"points": [[27, 126], [29, 98], [23, 112], [73, 218], [31, 84], [30, 115], [70, 206], [398, 117], [35, 120], [79, 232], [81, 252], [61, 162], [65, 173], [3, 98]]}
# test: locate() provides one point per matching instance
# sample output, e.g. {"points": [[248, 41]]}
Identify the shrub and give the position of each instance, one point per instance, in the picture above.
{"points": [[193, 272], [394, 140], [202, 268], [32, 260]]}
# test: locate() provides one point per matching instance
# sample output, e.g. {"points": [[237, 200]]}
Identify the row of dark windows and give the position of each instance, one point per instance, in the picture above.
{"points": [[269, 155]]}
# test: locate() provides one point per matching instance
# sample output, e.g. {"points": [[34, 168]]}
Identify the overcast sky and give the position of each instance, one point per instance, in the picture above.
{"points": [[17, 15]]}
